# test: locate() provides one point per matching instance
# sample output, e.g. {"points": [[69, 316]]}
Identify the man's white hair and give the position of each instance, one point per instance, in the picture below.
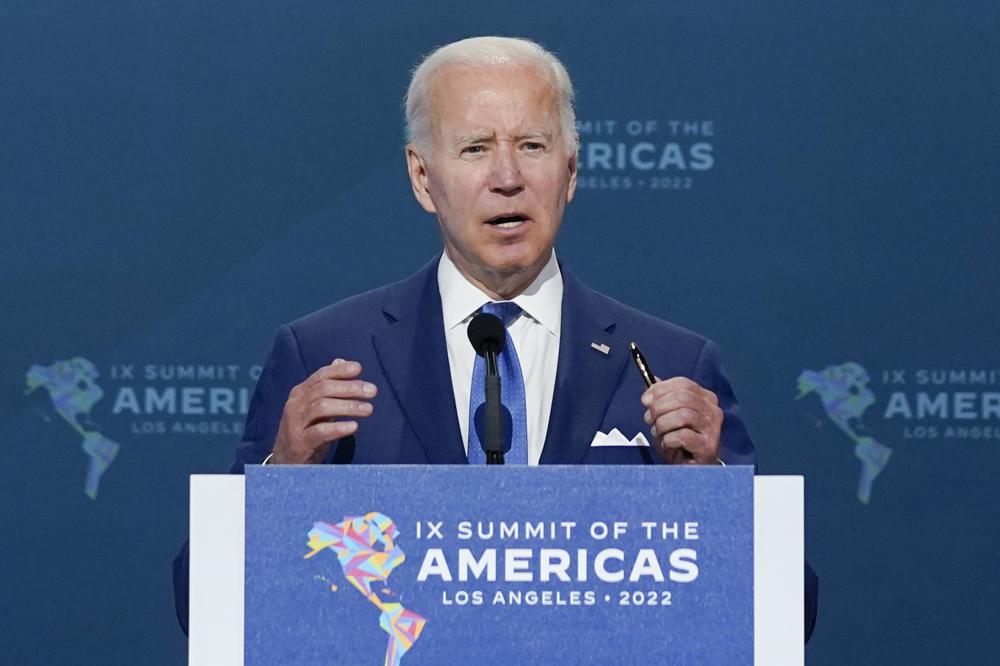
{"points": [[486, 52]]}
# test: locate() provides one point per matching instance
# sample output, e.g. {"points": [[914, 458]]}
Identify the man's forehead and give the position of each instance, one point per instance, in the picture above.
{"points": [[486, 86], [466, 97], [523, 70]]}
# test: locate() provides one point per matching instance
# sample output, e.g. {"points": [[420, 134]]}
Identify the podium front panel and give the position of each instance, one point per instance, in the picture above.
{"points": [[432, 565]]}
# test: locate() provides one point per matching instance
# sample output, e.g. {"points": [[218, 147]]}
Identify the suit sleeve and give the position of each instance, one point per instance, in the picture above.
{"points": [[282, 370], [735, 445], [736, 448]]}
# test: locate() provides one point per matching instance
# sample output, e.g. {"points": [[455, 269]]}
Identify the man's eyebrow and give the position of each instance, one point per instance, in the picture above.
{"points": [[536, 134], [465, 139], [473, 138]]}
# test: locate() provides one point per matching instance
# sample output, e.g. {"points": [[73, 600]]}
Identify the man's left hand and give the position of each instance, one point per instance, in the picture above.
{"points": [[683, 417]]}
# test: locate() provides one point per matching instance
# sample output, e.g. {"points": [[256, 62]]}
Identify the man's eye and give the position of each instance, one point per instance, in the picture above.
{"points": [[473, 150], [533, 145]]}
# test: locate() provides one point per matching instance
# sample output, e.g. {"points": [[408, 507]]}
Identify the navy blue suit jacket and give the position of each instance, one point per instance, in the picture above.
{"points": [[396, 333]]}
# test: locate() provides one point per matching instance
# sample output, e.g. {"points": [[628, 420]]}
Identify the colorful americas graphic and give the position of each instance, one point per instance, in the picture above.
{"points": [[73, 391], [355, 541], [843, 390]]}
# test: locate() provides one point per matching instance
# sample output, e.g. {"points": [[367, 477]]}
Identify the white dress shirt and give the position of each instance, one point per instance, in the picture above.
{"points": [[535, 334]]}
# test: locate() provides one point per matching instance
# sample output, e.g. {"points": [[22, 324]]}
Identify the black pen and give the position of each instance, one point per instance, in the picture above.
{"points": [[649, 378], [640, 362]]}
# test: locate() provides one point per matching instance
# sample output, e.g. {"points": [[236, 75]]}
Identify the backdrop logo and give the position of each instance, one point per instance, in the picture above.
{"points": [[626, 154], [367, 552], [73, 392], [182, 399], [843, 389], [150, 399], [915, 404]]}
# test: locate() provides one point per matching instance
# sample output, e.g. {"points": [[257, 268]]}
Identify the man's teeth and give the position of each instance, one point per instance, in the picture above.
{"points": [[508, 222]]}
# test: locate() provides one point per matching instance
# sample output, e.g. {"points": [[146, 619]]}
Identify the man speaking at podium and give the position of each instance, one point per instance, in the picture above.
{"points": [[389, 376]]}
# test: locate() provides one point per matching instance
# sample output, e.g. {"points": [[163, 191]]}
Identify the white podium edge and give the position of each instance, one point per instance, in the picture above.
{"points": [[778, 570], [217, 554], [215, 621]]}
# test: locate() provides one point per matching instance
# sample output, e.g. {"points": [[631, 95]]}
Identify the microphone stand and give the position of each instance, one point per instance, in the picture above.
{"points": [[494, 423]]}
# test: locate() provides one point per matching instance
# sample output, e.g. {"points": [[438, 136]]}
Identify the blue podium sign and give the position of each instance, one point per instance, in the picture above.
{"points": [[455, 564]]}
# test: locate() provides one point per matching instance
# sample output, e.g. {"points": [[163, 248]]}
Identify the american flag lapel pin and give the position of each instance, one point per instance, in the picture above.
{"points": [[604, 349]]}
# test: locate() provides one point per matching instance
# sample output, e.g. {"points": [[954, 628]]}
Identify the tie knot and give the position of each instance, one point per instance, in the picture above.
{"points": [[507, 311]]}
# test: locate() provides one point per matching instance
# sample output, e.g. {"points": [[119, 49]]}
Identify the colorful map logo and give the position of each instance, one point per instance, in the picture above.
{"points": [[366, 550], [843, 390], [73, 391]]}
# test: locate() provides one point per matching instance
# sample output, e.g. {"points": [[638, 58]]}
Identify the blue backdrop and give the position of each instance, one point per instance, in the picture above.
{"points": [[814, 186]]}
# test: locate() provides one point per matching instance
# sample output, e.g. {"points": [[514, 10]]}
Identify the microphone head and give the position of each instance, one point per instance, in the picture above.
{"points": [[486, 333]]}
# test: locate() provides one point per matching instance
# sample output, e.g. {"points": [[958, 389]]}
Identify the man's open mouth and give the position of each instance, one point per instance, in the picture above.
{"points": [[508, 220]]}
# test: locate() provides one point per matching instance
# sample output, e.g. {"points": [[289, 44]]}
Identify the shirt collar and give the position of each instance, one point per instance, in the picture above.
{"points": [[460, 299]]}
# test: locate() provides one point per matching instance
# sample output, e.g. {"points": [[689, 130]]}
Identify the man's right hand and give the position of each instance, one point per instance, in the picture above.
{"points": [[313, 413]]}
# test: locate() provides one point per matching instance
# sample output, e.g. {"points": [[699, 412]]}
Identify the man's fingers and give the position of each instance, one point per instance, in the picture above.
{"points": [[344, 370], [321, 372], [671, 456], [325, 431], [685, 420], [321, 385], [328, 408], [677, 400], [685, 424], [685, 417], [321, 409], [685, 438], [342, 388], [665, 386], [309, 444], [339, 369]]}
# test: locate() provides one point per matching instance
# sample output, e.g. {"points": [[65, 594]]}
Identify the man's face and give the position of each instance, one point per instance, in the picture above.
{"points": [[499, 175]]}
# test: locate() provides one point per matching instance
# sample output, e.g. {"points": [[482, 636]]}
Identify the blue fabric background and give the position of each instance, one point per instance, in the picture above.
{"points": [[176, 180]]}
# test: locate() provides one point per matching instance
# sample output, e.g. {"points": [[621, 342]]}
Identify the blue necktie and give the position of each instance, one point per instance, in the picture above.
{"points": [[513, 411]]}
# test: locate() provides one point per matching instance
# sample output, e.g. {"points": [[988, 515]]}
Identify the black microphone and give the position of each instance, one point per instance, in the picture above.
{"points": [[488, 336]]}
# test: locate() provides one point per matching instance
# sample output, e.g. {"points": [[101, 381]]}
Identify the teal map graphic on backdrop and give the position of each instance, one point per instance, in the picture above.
{"points": [[843, 390], [73, 391]]}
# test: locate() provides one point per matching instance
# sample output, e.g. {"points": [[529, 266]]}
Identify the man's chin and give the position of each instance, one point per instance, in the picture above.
{"points": [[513, 267], [513, 275], [505, 272], [509, 269], [517, 261]]}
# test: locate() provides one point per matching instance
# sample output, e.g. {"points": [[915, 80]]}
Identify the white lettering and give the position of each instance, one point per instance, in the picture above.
{"points": [[683, 566], [434, 564], [468, 564], [646, 564], [517, 565], [600, 567]]}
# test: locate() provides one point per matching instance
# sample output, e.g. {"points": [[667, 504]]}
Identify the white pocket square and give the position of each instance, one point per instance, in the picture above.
{"points": [[616, 438]]}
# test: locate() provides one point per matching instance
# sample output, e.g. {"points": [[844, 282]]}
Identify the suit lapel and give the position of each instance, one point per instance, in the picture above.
{"points": [[586, 379], [414, 357]]}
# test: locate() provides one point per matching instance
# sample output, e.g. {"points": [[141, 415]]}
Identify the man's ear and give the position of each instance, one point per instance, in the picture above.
{"points": [[417, 168], [572, 166]]}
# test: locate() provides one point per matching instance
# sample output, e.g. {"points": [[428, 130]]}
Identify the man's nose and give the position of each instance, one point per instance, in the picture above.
{"points": [[506, 177]]}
